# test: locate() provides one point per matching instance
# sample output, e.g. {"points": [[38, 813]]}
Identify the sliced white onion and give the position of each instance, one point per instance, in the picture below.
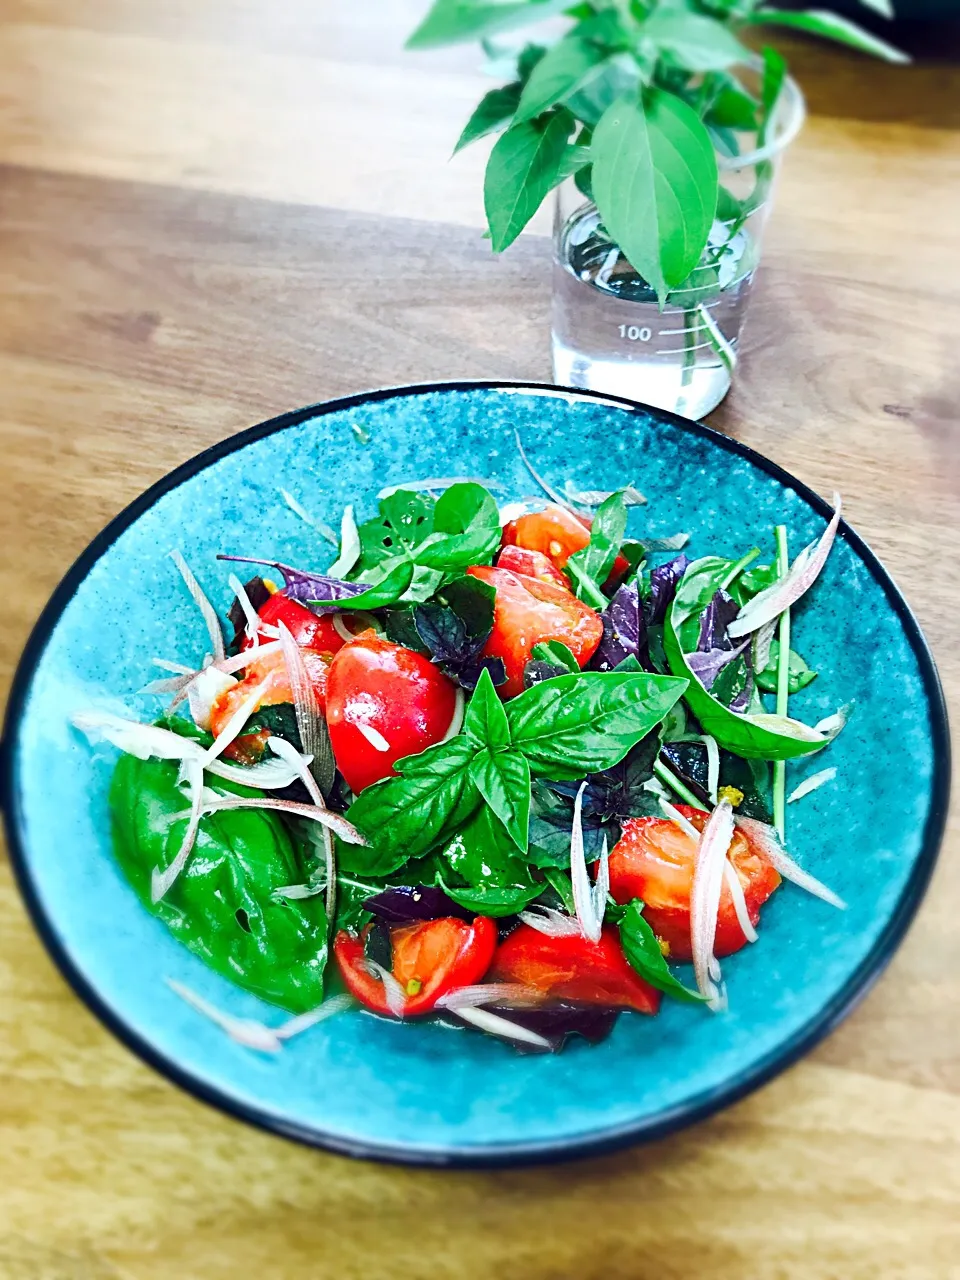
{"points": [[582, 889], [832, 725], [766, 841], [713, 765], [490, 993], [456, 720], [549, 490], [372, 735], [235, 725], [813, 783], [252, 629], [789, 727], [203, 604], [243, 659], [140, 740], [171, 684], [344, 829], [739, 902], [601, 886], [341, 628], [683, 823], [551, 923], [512, 511], [393, 993], [497, 1026], [595, 497], [762, 641], [244, 1031], [161, 881], [324, 530], [165, 665], [295, 1026], [288, 752], [705, 897], [349, 546], [268, 775], [768, 604], [202, 692]]}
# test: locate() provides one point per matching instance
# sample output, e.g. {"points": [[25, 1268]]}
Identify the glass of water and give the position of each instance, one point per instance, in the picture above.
{"points": [[609, 333]]}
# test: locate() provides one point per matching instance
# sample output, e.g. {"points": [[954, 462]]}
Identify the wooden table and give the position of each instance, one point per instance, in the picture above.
{"points": [[215, 210]]}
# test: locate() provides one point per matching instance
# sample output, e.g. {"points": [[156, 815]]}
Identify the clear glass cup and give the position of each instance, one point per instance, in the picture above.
{"points": [[609, 333]]}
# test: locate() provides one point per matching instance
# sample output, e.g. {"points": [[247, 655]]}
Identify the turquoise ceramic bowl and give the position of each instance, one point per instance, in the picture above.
{"points": [[422, 1093]]}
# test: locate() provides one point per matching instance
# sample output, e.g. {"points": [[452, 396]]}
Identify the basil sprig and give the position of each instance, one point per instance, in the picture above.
{"points": [[562, 728], [642, 950]]}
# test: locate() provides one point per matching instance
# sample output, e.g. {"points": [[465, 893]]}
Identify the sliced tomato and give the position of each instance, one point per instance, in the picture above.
{"points": [[654, 860], [271, 673], [534, 564], [557, 533], [309, 630], [573, 968], [527, 611], [384, 702], [430, 958]]}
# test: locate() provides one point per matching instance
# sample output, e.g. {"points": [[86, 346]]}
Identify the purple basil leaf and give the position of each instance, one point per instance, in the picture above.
{"points": [[309, 588], [708, 665], [624, 632], [689, 761], [742, 701], [664, 581], [415, 902], [557, 1022], [716, 617]]}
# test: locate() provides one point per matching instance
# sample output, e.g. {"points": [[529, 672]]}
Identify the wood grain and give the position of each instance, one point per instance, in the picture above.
{"points": [[211, 212]]}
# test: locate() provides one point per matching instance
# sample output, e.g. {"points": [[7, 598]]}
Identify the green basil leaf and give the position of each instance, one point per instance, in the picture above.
{"points": [[774, 74], [455, 21], [642, 950], [559, 881], [388, 584], [609, 529], [472, 601], [503, 779], [483, 855], [763, 737], [584, 585], [556, 653], [466, 524], [697, 42], [223, 905], [830, 26], [493, 900], [732, 108], [618, 76], [585, 723], [799, 674], [493, 111], [405, 816], [405, 520], [655, 180], [563, 69], [485, 722], [521, 171]]}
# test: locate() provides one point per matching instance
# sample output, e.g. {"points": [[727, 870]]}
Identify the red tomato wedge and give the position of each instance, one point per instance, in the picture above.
{"points": [[383, 702], [654, 860], [309, 631], [430, 958], [527, 611], [272, 670], [557, 533], [573, 968], [532, 563]]}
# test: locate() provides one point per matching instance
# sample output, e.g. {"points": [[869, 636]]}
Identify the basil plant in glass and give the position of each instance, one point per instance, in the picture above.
{"points": [[661, 133]]}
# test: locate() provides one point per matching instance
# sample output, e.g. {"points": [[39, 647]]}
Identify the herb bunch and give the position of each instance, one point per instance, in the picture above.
{"points": [[635, 102]]}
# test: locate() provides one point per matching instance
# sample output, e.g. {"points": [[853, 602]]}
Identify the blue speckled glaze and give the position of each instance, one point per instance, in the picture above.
{"points": [[424, 1092]]}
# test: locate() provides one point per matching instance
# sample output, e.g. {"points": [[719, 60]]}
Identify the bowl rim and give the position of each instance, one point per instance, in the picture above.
{"points": [[604, 1140]]}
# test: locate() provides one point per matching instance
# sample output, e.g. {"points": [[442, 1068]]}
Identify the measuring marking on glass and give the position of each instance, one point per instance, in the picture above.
{"points": [[635, 333]]}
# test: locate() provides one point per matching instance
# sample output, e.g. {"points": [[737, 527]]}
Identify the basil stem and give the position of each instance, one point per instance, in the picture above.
{"points": [[738, 568], [783, 689], [673, 782]]}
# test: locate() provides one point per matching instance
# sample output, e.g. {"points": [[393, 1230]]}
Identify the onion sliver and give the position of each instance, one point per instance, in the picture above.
{"points": [[161, 881], [739, 901], [490, 993], [705, 898], [456, 722], [344, 829], [683, 823], [252, 629], [497, 1026], [551, 923], [372, 735], [244, 1031], [140, 740], [811, 784], [766, 841], [768, 604], [203, 604], [392, 991], [582, 889], [202, 692], [295, 1026], [234, 726], [240, 660], [555, 494]]}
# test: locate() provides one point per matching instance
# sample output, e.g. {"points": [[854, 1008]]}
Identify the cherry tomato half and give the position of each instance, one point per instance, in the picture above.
{"points": [[527, 611], [557, 533], [309, 630], [430, 958], [654, 860], [573, 968], [532, 563], [384, 702], [270, 671]]}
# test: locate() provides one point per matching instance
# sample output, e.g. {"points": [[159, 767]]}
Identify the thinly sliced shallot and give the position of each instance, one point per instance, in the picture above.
{"points": [[372, 735], [243, 659], [705, 898], [456, 720], [244, 1031], [502, 1027], [299, 510], [551, 923], [767, 842], [252, 629], [739, 902], [811, 784], [548, 489], [833, 725], [344, 829], [676, 816], [235, 725], [762, 640], [601, 886], [713, 765], [438, 483], [768, 604], [310, 722], [140, 740], [202, 692], [165, 665], [393, 993], [582, 889], [203, 604], [160, 881], [304, 1021], [490, 993], [171, 684], [349, 546]]}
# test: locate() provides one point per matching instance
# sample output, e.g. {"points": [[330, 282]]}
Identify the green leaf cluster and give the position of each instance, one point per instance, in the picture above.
{"points": [[635, 100]]}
